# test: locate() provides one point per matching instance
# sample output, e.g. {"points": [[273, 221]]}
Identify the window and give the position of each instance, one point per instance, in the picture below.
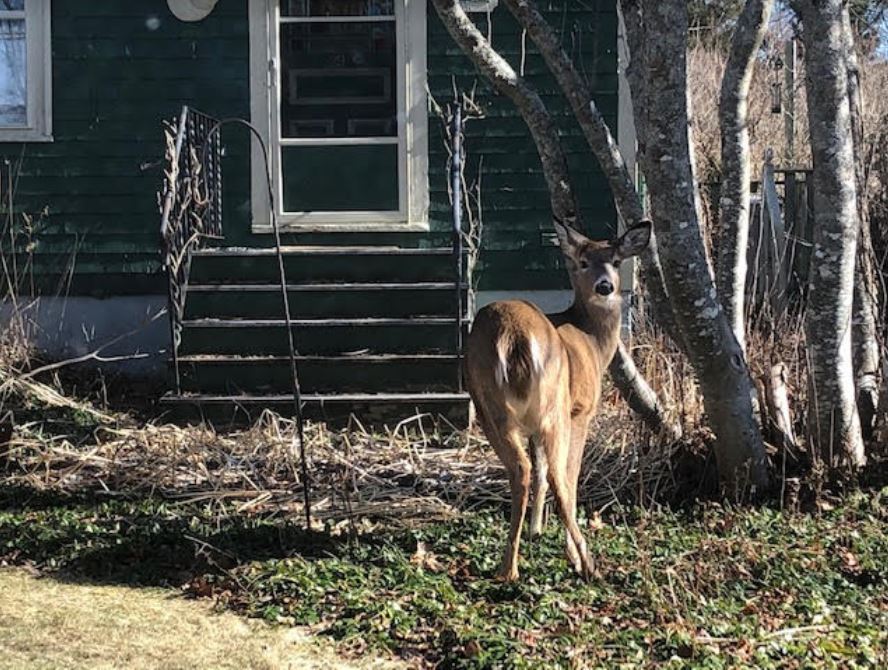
{"points": [[25, 77], [338, 93]]}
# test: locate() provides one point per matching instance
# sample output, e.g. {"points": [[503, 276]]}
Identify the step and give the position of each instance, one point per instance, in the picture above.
{"points": [[345, 299], [320, 374], [253, 337], [324, 250], [370, 408], [331, 264]]}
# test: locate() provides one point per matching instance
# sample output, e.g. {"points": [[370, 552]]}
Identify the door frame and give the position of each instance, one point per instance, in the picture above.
{"points": [[413, 189]]}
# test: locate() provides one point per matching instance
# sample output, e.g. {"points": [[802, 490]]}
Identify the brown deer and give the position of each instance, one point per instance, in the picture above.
{"points": [[537, 377]]}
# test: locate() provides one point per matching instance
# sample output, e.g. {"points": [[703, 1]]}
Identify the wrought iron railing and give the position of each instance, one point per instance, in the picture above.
{"points": [[191, 208]]}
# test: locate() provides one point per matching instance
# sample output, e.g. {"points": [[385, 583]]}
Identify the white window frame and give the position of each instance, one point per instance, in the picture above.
{"points": [[38, 127], [413, 190]]}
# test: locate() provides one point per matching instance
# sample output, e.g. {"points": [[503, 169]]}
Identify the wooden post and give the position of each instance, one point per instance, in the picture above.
{"points": [[789, 72]]}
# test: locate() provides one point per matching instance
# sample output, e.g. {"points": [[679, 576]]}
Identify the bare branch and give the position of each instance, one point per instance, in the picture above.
{"points": [[736, 173], [601, 142], [640, 397], [526, 99]]}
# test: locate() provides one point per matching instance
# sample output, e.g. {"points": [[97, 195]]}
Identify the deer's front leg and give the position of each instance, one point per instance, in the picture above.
{"points": [[579, 430]]}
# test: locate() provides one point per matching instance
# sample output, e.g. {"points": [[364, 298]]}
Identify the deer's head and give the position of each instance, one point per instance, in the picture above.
{"points": [[593, 266]]}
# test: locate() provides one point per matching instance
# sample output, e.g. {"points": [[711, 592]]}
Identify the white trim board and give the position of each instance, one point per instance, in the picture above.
{"points": [[626, 137], [38, 26], [412, 137]]}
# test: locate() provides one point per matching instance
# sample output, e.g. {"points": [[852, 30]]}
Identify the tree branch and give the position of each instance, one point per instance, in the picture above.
{"points": [[734, 200], [639, 395], [526, 99]]}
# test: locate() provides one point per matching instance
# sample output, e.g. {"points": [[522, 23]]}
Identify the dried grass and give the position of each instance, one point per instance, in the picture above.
{"points": [[45, 623], [419, 469]]}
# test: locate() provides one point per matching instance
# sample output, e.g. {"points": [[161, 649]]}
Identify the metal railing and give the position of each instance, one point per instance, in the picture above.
{"points": [[191, 208], [191, 213]]}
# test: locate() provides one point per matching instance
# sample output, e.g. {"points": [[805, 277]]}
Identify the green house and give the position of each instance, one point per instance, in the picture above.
{"points": [[348, 98]]}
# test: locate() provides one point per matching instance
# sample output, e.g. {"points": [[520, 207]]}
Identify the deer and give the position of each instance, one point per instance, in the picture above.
{"points": [[535, 382]]}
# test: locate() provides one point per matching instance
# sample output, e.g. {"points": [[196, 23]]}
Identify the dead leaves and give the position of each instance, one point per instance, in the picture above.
{"points": [[425, 559]]}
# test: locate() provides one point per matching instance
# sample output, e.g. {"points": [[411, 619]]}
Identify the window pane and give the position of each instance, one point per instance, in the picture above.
{"points": [[338, 80], [340, 178], [12, 5], [337, 8], [13, 72]]}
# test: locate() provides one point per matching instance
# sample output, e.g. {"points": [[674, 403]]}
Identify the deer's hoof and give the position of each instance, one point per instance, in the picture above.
{"points": [[589, 572], [507, 575]]}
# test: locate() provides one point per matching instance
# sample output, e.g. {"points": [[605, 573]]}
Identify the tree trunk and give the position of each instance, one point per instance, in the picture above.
{"points": [[864, 335], [734, 200], [834, 424], [640, 397], [628, 380], [667, 162]]}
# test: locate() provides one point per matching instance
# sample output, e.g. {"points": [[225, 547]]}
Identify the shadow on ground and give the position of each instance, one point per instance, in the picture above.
{"points": [[143, 541]]}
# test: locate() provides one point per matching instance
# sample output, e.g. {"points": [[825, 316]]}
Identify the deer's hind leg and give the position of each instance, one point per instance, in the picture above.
{"points": [[540, 486], [556, 438], [510, 444]]}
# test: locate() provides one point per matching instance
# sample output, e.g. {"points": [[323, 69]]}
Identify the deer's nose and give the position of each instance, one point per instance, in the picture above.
{"points": [[604, 287]]}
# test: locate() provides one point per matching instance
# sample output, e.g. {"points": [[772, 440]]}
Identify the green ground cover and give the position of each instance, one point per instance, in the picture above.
{"points": [[704, 587]]}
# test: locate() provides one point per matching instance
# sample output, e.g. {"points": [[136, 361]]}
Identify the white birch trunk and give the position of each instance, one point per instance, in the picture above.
{"points": [[834, 425], [736, 172], [660, 42], [864, 336]]}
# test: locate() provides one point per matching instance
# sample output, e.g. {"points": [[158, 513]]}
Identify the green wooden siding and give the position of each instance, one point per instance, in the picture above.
{"points": [[120, 68]]}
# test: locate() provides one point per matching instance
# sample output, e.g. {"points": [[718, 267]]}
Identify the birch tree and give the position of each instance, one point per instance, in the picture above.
{"points": [[864, 334], [658, 32], [700, 325], [632, 385], [736, 173], [834, 425]]}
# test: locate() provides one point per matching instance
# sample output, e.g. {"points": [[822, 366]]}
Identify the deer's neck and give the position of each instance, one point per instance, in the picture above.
{"points": [[600, 324]]}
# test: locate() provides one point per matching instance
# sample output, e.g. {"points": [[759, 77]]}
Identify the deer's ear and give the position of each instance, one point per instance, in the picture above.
{"points": [[569, 239], [635, 240]]}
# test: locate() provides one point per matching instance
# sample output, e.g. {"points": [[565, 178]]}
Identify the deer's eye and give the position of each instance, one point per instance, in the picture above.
{"points": [[584, 264]]}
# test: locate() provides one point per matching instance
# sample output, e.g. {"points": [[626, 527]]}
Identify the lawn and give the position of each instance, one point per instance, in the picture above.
{"points": [[49, 623], [702, 587]]}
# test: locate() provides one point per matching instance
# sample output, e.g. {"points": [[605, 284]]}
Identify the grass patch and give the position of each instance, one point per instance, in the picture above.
{"points": [[710, 587], [47, 624]]}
